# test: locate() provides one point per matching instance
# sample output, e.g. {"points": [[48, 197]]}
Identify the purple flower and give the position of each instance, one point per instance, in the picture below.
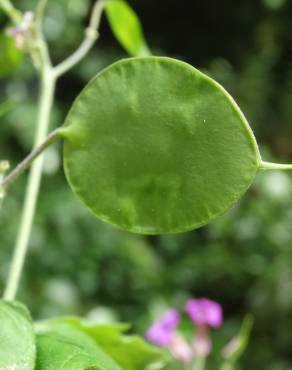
{"points": [[162, 331], [170, 319], [204, 311]]}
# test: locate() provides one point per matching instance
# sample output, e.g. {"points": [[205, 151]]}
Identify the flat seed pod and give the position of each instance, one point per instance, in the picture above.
{"points": [[154, 146]]}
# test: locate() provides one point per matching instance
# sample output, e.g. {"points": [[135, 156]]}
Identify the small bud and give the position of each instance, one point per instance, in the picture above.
{"points": [[21, 32], [91, 33], [4, 167], [2, 194]]}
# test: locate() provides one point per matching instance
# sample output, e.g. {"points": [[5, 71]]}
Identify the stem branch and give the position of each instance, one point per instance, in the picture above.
{"points": [[91, 35], [25, 164]]}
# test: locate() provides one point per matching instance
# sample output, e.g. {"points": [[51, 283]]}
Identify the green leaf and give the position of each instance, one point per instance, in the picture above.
{"points": [[17, 341], [126, 27], [63, 347], [10, 57], [154, 146], [130, 352]]}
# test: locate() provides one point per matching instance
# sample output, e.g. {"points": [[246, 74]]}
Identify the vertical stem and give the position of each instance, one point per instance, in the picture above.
{"points": [[200, 363], [47, 89], [227, 366]]}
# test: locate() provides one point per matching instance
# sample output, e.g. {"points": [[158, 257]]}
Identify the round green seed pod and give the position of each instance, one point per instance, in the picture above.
{"points": [[153, 146]]}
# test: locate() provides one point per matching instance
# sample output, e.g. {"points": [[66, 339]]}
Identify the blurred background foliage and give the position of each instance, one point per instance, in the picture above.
{"points": [[79, 265]]}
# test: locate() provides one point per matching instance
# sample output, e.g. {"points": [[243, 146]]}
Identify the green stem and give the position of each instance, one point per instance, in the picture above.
{"points": [[274, 166], [49, 76], [47, 88], [199, 363], [13, 13], [91, 35], [227, 366], [39, 14], [42, 44], [25, 164]]}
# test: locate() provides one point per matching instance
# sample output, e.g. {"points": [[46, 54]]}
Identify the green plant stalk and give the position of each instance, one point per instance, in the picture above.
{"points": [[11, 12], [275, 166], [227, 366], [199, 363], [25, 164], [91, 35], [48, 80], [47, 89]]}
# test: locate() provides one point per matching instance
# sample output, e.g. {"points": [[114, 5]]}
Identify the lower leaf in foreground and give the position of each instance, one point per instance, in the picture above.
{"points": [[130, 352], [17, 341], [69, 349]]}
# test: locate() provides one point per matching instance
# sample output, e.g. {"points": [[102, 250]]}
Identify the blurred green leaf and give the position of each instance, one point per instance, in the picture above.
{"points": [[274, 4], [7, 106], [130, 352], [63, 347], [127, 27], [17, 342], [10, 57]]}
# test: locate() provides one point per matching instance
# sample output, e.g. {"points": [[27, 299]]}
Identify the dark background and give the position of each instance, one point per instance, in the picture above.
{"points": [[78, 265]]}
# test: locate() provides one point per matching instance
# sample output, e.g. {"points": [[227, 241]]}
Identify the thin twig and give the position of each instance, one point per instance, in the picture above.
{"points": [[25, 164], [91, 35]]}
